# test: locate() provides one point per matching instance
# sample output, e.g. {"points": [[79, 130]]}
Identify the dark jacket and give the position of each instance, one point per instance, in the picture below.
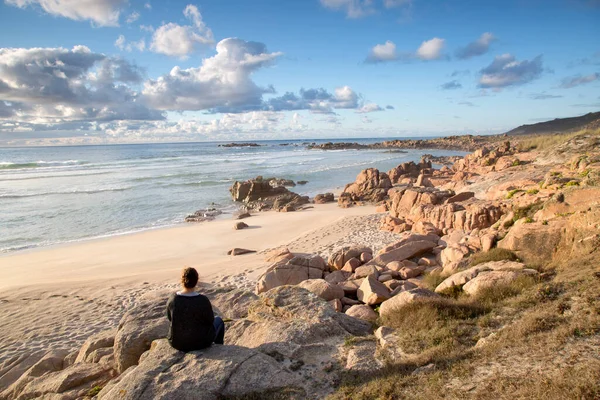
{"points": [[191, 322]]}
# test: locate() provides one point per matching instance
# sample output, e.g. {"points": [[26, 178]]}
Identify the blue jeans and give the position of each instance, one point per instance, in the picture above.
{"points": [[219, 330]]}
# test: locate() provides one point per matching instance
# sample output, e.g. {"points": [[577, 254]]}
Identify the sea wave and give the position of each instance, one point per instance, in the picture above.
{"points": [[38, 164], [90, 191]]}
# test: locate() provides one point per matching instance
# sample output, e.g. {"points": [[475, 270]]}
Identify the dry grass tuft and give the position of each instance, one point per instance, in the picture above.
{"points": [[495, 254], [543, 142]]}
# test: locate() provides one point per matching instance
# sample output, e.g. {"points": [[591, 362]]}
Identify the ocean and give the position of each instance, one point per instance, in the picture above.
{"points": [[51, 195]]}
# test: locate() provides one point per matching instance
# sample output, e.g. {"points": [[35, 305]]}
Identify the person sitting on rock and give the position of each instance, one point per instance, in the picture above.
{"points": [[193, 324]]}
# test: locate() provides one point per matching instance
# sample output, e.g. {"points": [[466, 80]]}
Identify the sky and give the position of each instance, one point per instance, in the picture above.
{"points": [[110, 71]]}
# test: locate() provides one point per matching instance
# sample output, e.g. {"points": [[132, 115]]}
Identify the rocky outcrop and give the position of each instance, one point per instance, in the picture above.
{"points": [[323, 198], [534, 242], [259, 194], [340, 257], [370, 186], [323, 289], [389, 307]]}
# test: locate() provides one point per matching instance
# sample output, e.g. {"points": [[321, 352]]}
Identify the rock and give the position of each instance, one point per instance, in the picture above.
{"points": [[350, 302], [338, 276], [408, 237], [402, 286], [361, 358], [231, 302], [461, 278], [213, 373], [323, 289], [407, 273], [362, 312], [302, 182], [278, 255], [460, 197], [351, 287], [488, 279], [370, 185], [395, 266], [366, 257], [97, 341], [338, 258], [240, 225], [389, 341], [243, 215], [533, 242], [238, 252], [50, 362], [366, 270], [259, 194], [405, 251], [73, 382], [425, 228], [390, 306], [336, 304], [139, 327], [372, 292], [453, 254], [294, 271], [385, 278], [352, 264], [323, 198], [488, 241]]}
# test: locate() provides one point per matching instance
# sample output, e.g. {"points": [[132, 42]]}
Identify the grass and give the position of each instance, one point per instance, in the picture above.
{"points": [[94, 391], [511, 193], [431, 281], [543, 142], [533, 191], [495, 254]]}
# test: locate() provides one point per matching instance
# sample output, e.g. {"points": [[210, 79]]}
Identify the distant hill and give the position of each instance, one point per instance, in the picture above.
{"points": [[558, 125]]}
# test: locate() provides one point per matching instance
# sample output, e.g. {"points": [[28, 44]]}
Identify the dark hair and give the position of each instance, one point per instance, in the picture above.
{"points": [[189, 278]]}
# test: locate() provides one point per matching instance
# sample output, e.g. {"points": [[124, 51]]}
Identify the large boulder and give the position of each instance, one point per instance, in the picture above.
{"points": [[323, 289], [370, 185], [405, 251], [363, 312], [390, 306], [51, 362], [372, 292], [73, 382], [139, 327], [214, 373], [291, 272], [534, 242]]}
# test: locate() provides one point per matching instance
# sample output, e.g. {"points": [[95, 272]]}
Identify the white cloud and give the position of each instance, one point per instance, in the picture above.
{"points": [[121, 44], [505, 71], [100, 12], [476, 48], [134, 16], [148, 6], [366, 120], [59, 87], [147, 28], [221, 82], [368, 108], [431, 49], [180, 41], [383, 52], [352, 8]]}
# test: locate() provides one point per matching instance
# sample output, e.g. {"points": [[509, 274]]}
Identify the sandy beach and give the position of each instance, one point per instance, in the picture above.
{"points": [[56, 297]]}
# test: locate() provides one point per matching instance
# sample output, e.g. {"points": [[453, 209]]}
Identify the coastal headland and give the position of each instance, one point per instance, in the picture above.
{"points": [[412, 282]]}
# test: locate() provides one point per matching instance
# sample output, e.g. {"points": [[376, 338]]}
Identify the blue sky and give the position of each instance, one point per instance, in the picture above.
{"points": [[123, 71]]}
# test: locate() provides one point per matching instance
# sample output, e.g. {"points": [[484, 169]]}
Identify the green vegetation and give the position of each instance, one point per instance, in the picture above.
{"points": [[511, 193], [495, 254], [516, 163], [533, 191], [584, 173], [572, 183], [94, 391]]}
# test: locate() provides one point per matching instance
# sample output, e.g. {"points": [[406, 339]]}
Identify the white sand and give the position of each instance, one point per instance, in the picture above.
{"points": [[56, 297]]}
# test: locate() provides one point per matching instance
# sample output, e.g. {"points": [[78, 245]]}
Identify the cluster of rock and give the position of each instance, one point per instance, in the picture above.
{"points": [[354, 280], [465, 142], [203, 215], [285, 343], [266, 194], [233, 144]]}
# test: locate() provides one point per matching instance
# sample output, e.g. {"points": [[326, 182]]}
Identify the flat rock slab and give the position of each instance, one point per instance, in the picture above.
{"points": [[238, 252], [405, 251]]}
